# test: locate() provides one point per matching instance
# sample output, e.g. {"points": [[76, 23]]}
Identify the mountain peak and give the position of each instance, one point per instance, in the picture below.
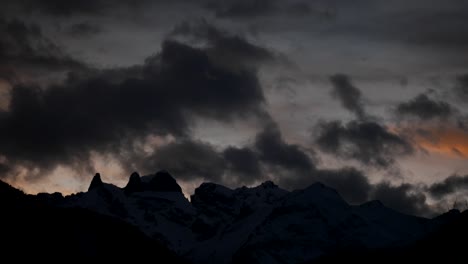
{"points": [[9, 193], [321, 188], [96, 182], [268, 185], [321, 194], [162, 181], [134, 184]]}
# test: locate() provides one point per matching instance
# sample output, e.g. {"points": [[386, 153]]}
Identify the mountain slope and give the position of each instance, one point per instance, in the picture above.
{"points": [[46, 232], [262, 224]]}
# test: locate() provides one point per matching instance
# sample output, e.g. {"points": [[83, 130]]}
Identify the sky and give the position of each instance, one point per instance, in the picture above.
{"points": [[367, 96]]}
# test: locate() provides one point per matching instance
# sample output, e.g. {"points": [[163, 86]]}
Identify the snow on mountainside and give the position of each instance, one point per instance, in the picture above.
{"points": [[264, 223]]}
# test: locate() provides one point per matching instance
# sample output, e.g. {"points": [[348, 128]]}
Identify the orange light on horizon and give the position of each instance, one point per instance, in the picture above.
{"points": [[450, 141]]}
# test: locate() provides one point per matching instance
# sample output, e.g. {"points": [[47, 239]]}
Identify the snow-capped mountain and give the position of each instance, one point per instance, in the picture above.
{"points": [[263, 224]]}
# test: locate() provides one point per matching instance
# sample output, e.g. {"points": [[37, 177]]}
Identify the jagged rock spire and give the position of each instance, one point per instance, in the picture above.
{"points": [[162, 181], [134, 184], [96, 182]]}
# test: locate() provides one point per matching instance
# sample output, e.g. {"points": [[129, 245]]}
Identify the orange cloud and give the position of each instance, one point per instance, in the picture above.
{"points": [[449, 140]]}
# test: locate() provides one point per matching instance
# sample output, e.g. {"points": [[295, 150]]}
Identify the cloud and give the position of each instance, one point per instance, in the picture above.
{"points": [[188, 160], [461, 87], [349, 96], [83, 30], [404, 198], [231, 9], [24, 49], [193, 159], [350, 183], [242, 8], [95, 112], [425, 108], [274, 151], [448, 186], [354, 186], [243, 163], [257, 8], [445, 137], [60, 9], [365, 141], [223, 47], [287, 164]]}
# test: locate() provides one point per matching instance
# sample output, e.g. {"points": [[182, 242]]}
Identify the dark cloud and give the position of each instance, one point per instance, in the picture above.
{"points": [[63, 123], [448, 186], [275, 151], [425, 108], [188, 160], [244, 163], [59, 8], [404, 198], [191, 159], [242, 8], [257, 8], [24, 49], [350, 183], [349, 96], [461, 87], [233, 9], [64, 10], [365, 141], [222, 46], [212, 90], [354, 186], [83, 30]]}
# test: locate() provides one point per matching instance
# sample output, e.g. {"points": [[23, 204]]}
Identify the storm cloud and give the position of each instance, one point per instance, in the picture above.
{"points": [[461, 86], [65, 10], [257, 8], [405, 198], [57, 124], [25, 50], [243, 163], [448, 186], [83, 30], [188, 160], [349, 96], [365, 141], [223, 47], [425, 108], [273, 150], [350, 183]]}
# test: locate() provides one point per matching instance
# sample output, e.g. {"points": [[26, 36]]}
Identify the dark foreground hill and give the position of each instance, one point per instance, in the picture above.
{"points": [[151, 219], [447, 244], [34, 230]]}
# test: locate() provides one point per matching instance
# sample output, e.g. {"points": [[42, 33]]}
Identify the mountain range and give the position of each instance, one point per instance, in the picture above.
{"points": [[151, 218]]}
